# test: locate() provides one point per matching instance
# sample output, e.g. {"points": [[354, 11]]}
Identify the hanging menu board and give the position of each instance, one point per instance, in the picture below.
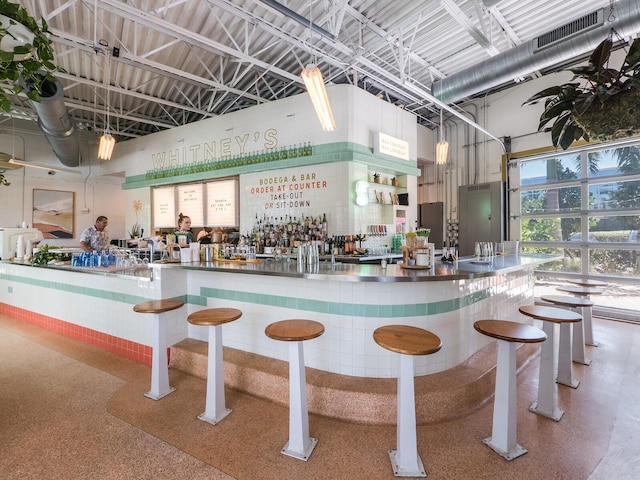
{"points": [[164, 207], [190, 203], [222, 204]]}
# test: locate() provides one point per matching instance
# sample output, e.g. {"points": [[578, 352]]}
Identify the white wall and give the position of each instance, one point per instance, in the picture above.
{"points": [[101, 195]]}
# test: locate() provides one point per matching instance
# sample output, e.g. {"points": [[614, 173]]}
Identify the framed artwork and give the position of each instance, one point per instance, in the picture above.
{"points": [[53, 212]]}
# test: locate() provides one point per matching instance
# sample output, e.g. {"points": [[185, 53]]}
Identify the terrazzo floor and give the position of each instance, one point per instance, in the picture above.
{"points": [[72, 411]]}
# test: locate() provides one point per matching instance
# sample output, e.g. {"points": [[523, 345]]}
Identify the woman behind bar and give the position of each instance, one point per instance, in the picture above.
{"points": [[183, 233]]}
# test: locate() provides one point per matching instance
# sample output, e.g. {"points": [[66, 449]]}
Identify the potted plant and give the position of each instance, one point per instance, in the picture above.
{"points": [[376, 177], [602, 106], [394, 182], [29, 62]]}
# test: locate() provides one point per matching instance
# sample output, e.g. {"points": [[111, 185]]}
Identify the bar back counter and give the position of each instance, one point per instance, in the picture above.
{"points": [[96, 306]]}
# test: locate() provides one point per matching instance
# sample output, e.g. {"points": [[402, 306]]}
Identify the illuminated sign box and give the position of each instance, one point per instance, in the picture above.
{"points": [[394, 147]]}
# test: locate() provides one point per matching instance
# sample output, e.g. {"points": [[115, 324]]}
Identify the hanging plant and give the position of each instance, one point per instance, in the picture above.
{"points": [[603, 106], [30, 60]]}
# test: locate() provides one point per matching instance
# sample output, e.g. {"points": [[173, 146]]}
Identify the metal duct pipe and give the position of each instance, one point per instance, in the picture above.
{"points": [[524, 59], [55, 122]]}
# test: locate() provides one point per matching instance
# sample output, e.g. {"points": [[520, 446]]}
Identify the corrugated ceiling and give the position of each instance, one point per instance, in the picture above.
{"points": [[181, 61]]}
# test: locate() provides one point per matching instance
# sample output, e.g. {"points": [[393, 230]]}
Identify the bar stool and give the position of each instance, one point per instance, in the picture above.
{"points": [[159, 361], [408, 342], [505, 421], [578, 352], [295, 331], [214, 318], [584, 292], [547, 403]]}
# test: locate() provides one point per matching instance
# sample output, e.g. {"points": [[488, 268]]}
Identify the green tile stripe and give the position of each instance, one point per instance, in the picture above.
{"points": [[91, 292], [322, 306], [348, 309]]}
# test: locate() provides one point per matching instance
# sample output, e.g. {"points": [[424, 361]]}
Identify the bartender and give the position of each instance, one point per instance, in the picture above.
{"points": [[183, 233], [96, 238]]}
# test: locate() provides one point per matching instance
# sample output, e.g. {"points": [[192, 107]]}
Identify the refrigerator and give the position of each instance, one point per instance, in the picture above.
{"points": [[431, 215]]}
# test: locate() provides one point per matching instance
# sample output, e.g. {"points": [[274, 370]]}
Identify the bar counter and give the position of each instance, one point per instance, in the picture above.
{"points": [[350, 300]]}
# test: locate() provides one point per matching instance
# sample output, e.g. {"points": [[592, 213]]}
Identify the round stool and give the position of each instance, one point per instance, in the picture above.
{"points": [[159, 361], [584, 292], [505, 418], [547, 403], [300, 445], [408, 342], [214, 318], [577, 349]]}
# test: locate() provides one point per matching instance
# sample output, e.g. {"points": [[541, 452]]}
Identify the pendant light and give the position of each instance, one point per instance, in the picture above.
{"points": [[107, 142], [314, 82], [442, 148]]}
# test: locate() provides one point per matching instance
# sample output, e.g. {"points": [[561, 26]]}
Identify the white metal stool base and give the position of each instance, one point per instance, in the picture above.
{"points": [[214, 421], [556, 414], [159, 360], [573, 383], [513, 453], [399, 471], [153, 396], [305, 454]]}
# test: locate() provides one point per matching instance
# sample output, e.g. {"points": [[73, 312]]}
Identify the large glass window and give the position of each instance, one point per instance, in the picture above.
{"points": [[585, 207]]}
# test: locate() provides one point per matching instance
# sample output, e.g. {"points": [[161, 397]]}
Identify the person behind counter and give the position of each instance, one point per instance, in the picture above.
{"points": [[184, 230], [95, 237]]}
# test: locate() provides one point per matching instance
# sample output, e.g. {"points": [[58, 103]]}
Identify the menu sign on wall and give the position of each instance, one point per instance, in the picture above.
{"points": [[222, 204], [164, 207], [389, 145], [190, 203]]}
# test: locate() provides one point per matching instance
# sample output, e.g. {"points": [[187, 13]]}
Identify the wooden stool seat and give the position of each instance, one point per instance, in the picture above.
{"points": [[585, 292], [503, 439], [588, 282], [158, 306], [295, 331], [159, 359], [567, 301], [510, 331], [213, 318], [550, 314], [577, 349], [408, 342]]}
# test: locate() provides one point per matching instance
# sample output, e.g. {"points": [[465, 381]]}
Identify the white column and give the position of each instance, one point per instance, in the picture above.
{"points": [[159, 362], [215, 409], [405, 460], [300, 445], [505, 421], [565, 370], [547, 403]]}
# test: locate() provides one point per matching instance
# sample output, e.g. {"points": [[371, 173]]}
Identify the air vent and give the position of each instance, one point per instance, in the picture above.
{"points": [[581, 25]]}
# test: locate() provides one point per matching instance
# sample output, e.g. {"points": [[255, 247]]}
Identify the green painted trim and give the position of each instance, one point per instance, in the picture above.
{"points": [[322, 306], [322, 154], [94, 292], [348, 309]]}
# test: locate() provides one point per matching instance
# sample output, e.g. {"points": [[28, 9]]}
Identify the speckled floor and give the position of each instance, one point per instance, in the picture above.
{"points": [[70, 411]]}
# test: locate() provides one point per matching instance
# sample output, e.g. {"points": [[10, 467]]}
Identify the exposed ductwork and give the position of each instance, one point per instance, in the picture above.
{"points": [[570, 41], [58, 127]]}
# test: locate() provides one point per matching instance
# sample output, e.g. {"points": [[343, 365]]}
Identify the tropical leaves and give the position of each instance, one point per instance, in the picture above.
{"points": [[564, 104]]}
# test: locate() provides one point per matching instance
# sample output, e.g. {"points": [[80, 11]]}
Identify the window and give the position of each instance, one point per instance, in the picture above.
{"points": [[584, 206]]}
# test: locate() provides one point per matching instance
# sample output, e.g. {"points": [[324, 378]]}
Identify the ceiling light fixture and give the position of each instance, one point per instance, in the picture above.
{"points": [[314, 82], [107, 142], [442, 148]]}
